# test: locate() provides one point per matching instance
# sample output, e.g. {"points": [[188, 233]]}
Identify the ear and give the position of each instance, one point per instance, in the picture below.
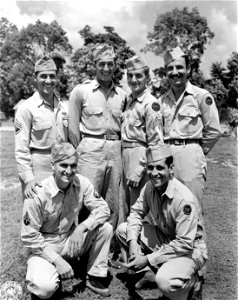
{"points": [[171, 169], [52, 165]]}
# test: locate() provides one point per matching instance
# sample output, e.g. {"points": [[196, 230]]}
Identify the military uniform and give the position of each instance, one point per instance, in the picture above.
{"points": [[48, 221], [37, 127], [138, 132], [191, 126], [140, 120], [94, 129], [175, 245]]}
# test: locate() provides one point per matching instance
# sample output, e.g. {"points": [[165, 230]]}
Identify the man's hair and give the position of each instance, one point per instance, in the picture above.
{"points": [[169, 161]]}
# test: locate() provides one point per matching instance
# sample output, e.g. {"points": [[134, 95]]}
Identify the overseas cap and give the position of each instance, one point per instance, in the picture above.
{"points": [[171, 55], [103, 51], [45, 64], [62, 151], [135, 63], [155, 153]]}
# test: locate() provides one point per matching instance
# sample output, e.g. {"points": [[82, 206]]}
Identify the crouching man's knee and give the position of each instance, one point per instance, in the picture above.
{"points": [[42, 288], [162, 283], [121, 232]]}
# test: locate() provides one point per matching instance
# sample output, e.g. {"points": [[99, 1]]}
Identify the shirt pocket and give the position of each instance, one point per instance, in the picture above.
{"points": [[42, 133], [188, 117], [94, 117]]}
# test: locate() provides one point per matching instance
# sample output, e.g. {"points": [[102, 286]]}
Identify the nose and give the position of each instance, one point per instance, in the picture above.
{"points": [[68, 170], [174, 71], [48, 79]]}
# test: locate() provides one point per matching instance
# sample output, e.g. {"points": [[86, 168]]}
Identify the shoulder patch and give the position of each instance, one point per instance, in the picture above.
{"points": [[26, 219], [208, 100], [18, 127], [187, 209], [155, 106], [95, 194]]}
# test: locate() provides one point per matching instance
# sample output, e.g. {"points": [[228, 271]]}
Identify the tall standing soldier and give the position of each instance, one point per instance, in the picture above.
{"points": [[40, 121], [140, 119], [190, 121], [95, 112]]}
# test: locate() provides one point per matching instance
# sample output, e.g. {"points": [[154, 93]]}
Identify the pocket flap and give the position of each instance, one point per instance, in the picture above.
{"points": [[93, 110], [187, 111], [41, 125]]}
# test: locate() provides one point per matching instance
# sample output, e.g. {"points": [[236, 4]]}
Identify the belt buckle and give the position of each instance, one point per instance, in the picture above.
{"points": [[177, 142]]}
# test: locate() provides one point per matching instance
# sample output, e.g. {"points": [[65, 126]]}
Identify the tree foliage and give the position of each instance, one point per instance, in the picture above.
{"points": [[183, 28], [82, 65], [20, 50]]}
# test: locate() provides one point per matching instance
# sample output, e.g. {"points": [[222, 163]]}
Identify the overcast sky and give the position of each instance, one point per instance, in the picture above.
{"points": [[132, 20]]}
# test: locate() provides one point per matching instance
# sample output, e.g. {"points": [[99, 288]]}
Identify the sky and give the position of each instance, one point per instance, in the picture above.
{"points": [[132, 20]]}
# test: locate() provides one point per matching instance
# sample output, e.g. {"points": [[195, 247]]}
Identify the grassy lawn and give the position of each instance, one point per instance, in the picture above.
{"points": [[220, 219]]}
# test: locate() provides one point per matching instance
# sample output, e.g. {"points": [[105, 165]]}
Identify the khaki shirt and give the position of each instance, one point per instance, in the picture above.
{"points": [[49, 218], [37, 127], [140, 118], [177, 218], [193, 116], [93, 112]]}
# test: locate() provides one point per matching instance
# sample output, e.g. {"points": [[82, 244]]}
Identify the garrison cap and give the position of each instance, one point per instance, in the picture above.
{"points": [[62, 151], [45, 64], [172, 54], [103, 51], [136, 63], [156, 153]]}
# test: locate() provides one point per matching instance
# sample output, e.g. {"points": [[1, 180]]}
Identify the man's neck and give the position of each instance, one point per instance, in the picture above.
{"points": [[178, 92], [106, 85], [48, 98]]}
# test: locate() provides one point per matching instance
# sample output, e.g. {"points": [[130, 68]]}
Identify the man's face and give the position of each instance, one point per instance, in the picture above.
{"points": [[105, 69], [177, 73], [64, 171], [137, 81], [159, 173], [46, 82]]}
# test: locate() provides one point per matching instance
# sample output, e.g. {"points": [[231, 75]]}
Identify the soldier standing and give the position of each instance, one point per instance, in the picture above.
{"points": [[95, 113], [40, 121], [190, 122], [140, 119]]}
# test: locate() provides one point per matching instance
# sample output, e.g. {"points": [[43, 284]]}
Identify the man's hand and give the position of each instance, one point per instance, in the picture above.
{"points": [[76, 241], [134, 180], [30, 190], [63, 268], [137, 262]]}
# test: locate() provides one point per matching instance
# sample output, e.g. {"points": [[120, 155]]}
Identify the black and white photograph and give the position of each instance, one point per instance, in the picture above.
{"points": [[118, 135]]}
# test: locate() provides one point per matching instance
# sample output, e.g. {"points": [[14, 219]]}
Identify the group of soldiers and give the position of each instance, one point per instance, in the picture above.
{"points": [[102, 155]]}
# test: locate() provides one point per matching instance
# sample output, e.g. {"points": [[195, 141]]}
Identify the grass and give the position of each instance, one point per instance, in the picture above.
{"points": [[220, 220]]}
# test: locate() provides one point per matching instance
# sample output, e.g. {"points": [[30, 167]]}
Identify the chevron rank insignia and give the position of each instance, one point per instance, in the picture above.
{"points": [[18, 127]]}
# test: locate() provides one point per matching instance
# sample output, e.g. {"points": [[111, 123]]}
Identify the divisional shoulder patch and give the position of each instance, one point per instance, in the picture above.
{"points": [[208, 100], [18, 127], [155, 106], [26, 219], [95, 194], [187, 209]]}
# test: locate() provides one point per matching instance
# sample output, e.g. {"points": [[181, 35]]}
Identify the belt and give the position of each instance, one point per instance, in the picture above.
{"points": [[178, 142], [40, 151], [108, 137], [133, 144]]}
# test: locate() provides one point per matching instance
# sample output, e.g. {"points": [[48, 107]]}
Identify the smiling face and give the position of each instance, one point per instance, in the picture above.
{"points": [[137, 80], [177, 73], [46, 82], [159, 174], [64, 171], [105, 69]]}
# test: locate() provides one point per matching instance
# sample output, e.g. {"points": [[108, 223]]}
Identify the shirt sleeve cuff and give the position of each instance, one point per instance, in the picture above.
{"points": [[27, 176], [89, 223], [50, 255], [156, 259]]}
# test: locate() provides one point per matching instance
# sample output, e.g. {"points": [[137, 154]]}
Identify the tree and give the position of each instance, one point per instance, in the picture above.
{"points": [[20, 50], [181, 28], [82, 65]]}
